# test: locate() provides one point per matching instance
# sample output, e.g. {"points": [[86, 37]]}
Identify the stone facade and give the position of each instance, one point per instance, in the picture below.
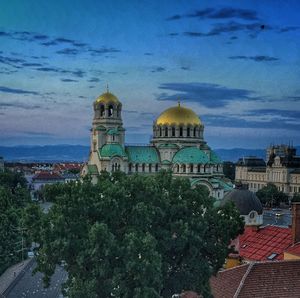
{"points": [[177, 145], [282, 169]]}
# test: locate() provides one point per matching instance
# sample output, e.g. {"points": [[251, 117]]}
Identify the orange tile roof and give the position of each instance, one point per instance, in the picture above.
{"points": [[268, 241], [264, 279]]}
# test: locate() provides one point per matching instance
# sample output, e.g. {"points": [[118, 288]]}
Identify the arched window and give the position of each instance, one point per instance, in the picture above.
{"points": [[136, 167], [166, 131], [130, 167], [183, 168], [180, 131], [177, 168], [173, 131], [143, 167], [156, 167], [198, 168], [102, 110], [150, 168], [195, 131], [110, 110], [188, 132], [160, 132], [191, 168]]}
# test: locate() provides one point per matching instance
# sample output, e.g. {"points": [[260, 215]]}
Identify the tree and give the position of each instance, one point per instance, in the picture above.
{"points": [[135, 236], [13, 198], [296, 197], [270, 196]]}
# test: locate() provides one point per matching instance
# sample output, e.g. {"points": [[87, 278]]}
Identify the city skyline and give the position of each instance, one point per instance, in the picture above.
{"points": [[235, 64]]}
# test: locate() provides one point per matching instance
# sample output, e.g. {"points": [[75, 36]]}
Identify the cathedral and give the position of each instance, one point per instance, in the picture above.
{"points": [[177, 145]]}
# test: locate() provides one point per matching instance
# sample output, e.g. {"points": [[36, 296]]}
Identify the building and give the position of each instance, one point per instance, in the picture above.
{"points": [[177, 145], [46, 177], [282, 168], [261, 243], [258, 279]]}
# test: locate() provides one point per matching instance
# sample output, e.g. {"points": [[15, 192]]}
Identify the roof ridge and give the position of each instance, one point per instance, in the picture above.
{"points": [[237, 292]]}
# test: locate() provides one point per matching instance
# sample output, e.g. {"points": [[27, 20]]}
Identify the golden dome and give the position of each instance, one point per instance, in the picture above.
{"points": [[107, 98], [179, 116]]}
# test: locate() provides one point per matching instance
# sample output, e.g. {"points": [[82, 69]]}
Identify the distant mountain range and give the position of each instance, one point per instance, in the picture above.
{"points": [[80, 153]]}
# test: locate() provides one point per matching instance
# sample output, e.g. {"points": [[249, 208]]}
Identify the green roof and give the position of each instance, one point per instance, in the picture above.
{"points": [[113, 131], [190, 155], [92, 169], [225, 185], [214, 158], [168, 146], [100, 127], [110, 150], [142, 154]]}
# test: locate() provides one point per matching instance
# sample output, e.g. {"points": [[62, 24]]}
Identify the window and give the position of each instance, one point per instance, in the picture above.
{"points": [[183, 168], [136, 167], [191, 168], [102, 110], [110, 111], [173, 131], [188, 132], [272, 256], [130, 167], [150, 168], [177, 170], [166, 131], [156, 167], [143, 167], [198, 168], [160, 132], [195, 131], [180, 131]]}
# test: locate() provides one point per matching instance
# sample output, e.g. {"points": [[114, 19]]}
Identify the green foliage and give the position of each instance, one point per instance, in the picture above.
{"points": [[296, 197], [135, 236], [13, 198], [49, 192], [270, 196]]}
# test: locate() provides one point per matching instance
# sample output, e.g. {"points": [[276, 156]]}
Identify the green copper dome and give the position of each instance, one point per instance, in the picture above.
{"points": [[190, 155]]}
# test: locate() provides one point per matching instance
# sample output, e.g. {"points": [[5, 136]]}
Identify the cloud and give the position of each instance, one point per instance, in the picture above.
{"points": [[4, 89], [49, 43], [220, 13], [77, 73], [40, 37], [185, 68], [174, 17], [288, 28], [103, 50], [209, 95], [148, 54], [4, 105], [11, 61], [258, 58], [32, 64], [253, 28], [94, 80], [158, 69], [68, 51], [68, 80]]}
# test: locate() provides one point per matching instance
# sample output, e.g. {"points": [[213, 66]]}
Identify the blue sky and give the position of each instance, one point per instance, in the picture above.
{"points": [[235, 63]]}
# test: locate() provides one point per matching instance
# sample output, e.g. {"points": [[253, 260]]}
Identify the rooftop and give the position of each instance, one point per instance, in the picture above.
{"points": [[267, 243], [265, 279]]}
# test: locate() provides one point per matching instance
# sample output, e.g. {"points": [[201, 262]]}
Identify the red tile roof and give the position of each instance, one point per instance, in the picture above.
{"points": [[294, 249], [266, 279], [268, 241]]}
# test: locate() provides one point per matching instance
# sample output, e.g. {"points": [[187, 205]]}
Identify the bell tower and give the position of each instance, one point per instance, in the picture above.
{"points": [[107, 127]]}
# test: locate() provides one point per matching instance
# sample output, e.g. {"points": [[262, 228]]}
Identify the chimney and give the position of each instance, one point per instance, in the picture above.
{"points": [[296, 222]]}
